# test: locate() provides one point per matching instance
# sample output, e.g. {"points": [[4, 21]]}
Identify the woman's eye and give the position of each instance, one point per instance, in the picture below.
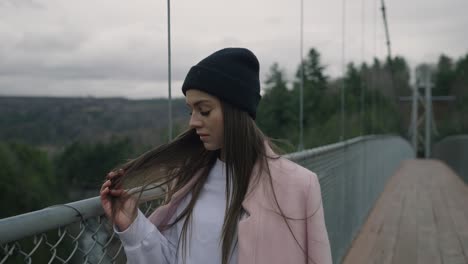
{"points": [[190, 113], [205, 113]]}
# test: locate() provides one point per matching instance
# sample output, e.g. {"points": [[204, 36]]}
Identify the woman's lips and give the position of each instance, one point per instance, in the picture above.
{"points": [[203, 136]]}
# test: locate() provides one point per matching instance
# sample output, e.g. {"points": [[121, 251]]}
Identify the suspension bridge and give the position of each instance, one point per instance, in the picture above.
{"points": [[382, 203]]}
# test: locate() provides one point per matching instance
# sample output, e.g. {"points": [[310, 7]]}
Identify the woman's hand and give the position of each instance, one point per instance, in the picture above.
{"points": [[127, 213]]}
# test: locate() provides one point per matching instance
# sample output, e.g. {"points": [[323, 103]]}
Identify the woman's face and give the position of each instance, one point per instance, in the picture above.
{"points": [[206, 118]]}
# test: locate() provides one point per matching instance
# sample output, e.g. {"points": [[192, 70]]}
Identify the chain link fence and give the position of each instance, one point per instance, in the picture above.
{"points": [[453, 150], [352, 174], [62, 234]]}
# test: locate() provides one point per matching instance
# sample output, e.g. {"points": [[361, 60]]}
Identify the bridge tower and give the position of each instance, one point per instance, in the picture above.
{"points": [[422, 118]]}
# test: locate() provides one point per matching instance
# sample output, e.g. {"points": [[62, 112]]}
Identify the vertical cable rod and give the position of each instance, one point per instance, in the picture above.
{"points": [[343, 42], [363, 5], [373, 73], [169, 66], [301, 94]]}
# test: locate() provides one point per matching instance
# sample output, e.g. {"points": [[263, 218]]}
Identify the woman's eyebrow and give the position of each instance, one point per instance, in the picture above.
{"points": [[198, 102]]}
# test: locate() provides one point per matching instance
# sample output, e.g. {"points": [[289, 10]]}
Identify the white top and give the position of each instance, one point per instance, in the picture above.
{"points": [[144, 243]]}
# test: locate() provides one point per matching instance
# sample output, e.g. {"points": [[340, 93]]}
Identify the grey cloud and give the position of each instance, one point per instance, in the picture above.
{"points": [[48, 41], [22, 4], [33, 86], [95, 47], [274, 20], [119, 55]]}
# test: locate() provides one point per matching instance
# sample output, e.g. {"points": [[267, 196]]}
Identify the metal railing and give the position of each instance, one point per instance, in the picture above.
{"points": [[453, 150], [352, 175]]}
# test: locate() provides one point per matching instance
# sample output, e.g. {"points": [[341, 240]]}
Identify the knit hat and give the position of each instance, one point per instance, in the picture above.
{"points": [[231, 74]]}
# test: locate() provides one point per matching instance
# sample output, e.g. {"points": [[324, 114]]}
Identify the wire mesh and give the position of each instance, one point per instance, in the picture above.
{"points": [[352, 174], [90, 240], [454, 151]]}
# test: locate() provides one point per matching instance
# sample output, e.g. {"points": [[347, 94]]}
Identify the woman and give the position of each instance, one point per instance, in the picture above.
{"points": [[229, 197]]}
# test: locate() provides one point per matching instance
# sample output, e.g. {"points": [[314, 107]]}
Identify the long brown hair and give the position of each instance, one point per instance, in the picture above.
{"points": [[172, 165]]}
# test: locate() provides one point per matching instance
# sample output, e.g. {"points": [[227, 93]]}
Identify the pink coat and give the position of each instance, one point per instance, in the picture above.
{"points": [[263, 236]]}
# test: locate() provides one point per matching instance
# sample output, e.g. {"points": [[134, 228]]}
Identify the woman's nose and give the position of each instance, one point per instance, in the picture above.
{"points": [[194, 121]]}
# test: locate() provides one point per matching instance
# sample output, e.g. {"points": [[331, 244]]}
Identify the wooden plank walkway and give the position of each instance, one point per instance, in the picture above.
{"points": [[421, 217]]}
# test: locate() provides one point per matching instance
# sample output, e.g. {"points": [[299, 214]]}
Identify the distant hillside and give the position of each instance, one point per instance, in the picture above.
{"points": [[51, 123]]}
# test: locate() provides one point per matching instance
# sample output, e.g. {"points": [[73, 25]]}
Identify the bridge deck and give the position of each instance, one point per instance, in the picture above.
{"points": [[421, 217]]}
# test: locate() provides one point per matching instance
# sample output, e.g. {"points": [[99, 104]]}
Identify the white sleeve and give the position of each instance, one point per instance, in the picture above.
{"points": [[143, 243]]}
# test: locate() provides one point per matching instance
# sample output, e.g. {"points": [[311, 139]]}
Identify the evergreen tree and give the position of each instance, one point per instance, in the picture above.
{"points": [[401, 76], [460, 87], [275, 113], [444, 76], [315, 85], [27, 179], [83, 166]]}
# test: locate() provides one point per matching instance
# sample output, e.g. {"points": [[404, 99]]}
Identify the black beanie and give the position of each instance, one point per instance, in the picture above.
{"points": [[231, 74]]}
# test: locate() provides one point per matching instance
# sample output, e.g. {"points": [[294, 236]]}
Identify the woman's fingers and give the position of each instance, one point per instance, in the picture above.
{"points": [[116, 192], [106, 191], [122, 217], [105, 185], [112, 188], [114, 174], [107, 188], [106, 205], [112, 179], [111, 175]]}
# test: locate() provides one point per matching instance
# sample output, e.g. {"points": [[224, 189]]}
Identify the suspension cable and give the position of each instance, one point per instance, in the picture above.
{"points": [[169, 66], [301, 93], [343, 42], [387, 34], [389, 52], [373, 73], [363, 4]]}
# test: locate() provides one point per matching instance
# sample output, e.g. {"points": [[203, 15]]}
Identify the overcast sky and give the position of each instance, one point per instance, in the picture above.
{"points": [[118, 48]]}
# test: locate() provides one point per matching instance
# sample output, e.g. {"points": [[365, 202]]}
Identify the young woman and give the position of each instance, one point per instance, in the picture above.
{"points": [[229, 197]]}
